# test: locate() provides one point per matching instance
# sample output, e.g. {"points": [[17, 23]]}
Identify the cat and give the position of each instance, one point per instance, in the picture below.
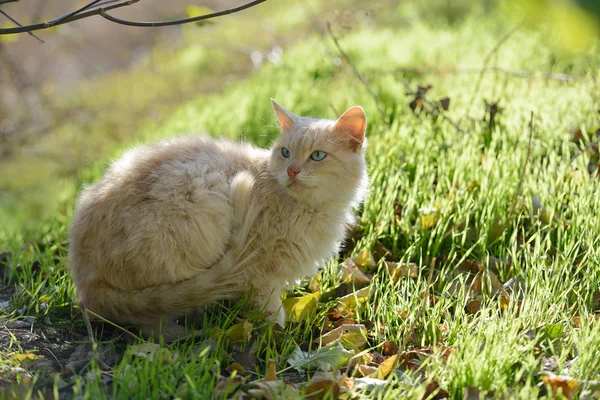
{"points": [[185, 222]]}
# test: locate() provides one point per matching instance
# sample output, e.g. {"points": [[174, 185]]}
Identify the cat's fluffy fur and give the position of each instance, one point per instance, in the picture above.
{"points": [[189, 221]]}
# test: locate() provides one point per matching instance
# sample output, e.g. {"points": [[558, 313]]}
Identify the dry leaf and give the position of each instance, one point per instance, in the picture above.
{"points": [[315, 283], [386, 367], [272, 390], [366, 370], [433, 387], [354, 334], [561, 384], [241, 332], [403, 270], [352, 274], [237, 367], [390, 348], [364, 260], [473, 306], [348, 303], [323, 388], [301, 308], [271, 371]]}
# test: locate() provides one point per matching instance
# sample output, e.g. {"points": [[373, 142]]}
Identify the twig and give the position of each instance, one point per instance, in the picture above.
{"points": [[346, 57], [514, 202], [7, 1], [179, 21], [18, 24], [98, 8], [488, 58], [133, 335], [516, 73], [444, 116], [585, 149], [88, 326]]}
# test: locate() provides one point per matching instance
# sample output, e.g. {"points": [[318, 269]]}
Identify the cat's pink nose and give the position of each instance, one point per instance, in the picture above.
{"points": [[292, 172]]}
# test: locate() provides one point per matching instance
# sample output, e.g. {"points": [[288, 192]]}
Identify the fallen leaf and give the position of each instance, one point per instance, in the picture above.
{"points": [[368, 384], [390, 348], [273, 390], [429, 217], [364, 260], [561, 384], [271, 371], [402, 270], [323, 389], [591, 318], [239, 333], [23, 357], [366, 370], [333, 355], [473, 306], [434, 391], [237, 367], [301, 308], [315, 283], [352, 274], [354, 299], [386, 367], [354, 334]]}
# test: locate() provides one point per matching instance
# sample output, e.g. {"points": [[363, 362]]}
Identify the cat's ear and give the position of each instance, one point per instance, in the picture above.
{"points": [[285, 117], [353, 123]]}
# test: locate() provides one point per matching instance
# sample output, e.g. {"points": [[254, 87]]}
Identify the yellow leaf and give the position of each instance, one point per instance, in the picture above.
{"points": [[429, 217], [354, 299], [364, 260], [315, 282], [386, 367], [353, 334], [351, 273], [241, 332], [20, 357], [301, 308], [565, 385], [403, 270]]}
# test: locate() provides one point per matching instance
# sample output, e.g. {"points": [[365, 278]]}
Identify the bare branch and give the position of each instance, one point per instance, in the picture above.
{"points": [[98, 7], [551, 76], [488, 58], [18, 24], [346, 57], [180, 21], [7, 1]]}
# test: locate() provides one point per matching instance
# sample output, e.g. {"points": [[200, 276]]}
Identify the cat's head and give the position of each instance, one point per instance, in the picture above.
{"points": [[321, 161]]}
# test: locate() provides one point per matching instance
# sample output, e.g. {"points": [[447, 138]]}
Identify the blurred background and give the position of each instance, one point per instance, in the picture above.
{"points": [[70, 104]]}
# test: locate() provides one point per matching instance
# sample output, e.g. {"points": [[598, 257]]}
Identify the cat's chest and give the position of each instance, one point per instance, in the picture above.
{"points": [[305, 236]]}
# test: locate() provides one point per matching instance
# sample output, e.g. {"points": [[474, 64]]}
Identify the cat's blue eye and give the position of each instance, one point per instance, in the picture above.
{"points": [[318, 155], [285, 152]]}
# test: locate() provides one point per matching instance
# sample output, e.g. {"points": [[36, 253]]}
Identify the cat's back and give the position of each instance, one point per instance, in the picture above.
{"points": [[162, 208]]}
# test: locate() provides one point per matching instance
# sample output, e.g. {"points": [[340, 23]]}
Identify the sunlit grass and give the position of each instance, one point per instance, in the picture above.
{"points": [[415, 163]]}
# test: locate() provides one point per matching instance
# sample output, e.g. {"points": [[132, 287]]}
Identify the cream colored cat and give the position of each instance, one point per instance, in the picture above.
{"points": [[185, 222]]}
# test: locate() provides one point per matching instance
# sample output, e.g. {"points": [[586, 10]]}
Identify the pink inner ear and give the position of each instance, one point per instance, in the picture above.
{"points": [[353, 122], [284, 116]]}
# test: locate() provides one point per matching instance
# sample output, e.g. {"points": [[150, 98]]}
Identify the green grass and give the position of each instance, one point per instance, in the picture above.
{"points": [[469, 182]]}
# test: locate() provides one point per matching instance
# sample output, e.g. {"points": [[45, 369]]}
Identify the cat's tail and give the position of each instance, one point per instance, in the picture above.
{"points": [[163, 301]]}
